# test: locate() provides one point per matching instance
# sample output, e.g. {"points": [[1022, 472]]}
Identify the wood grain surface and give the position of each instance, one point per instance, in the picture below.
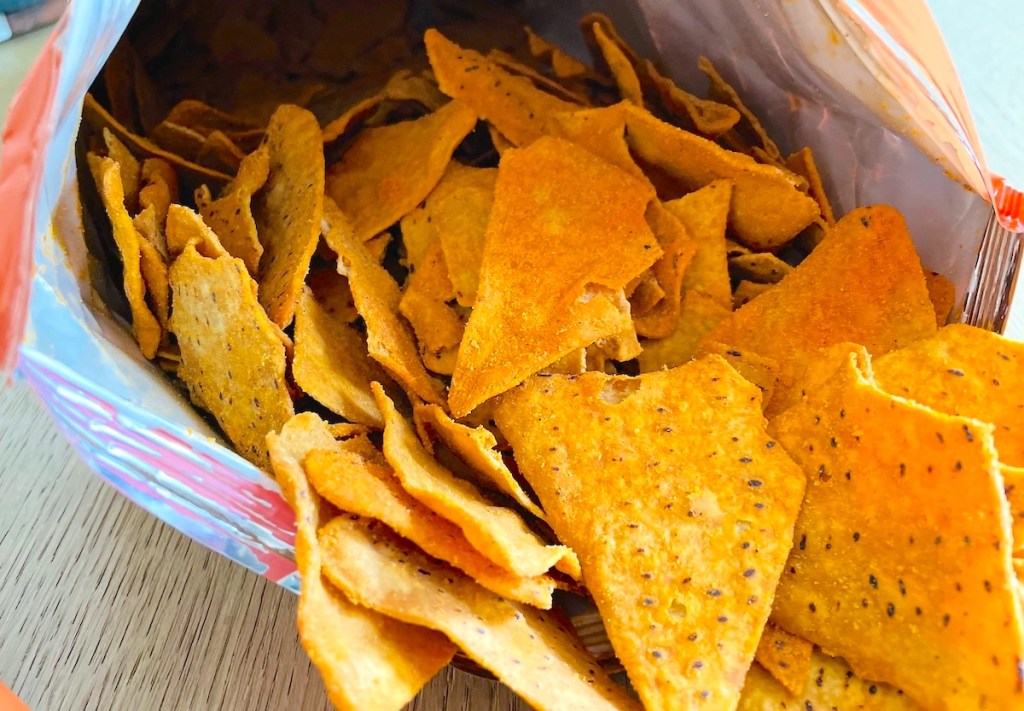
{"points": [[104, 607]]}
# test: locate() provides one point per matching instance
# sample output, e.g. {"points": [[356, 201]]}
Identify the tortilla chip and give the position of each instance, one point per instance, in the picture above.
{"points": [[129, 167], [760, 267], [721, 91], [785, 656], [679, 250], [965, 371], [762, 372], [500, 143], [232, 357], [159, 189], [107, 174], [735, 249], [832, 297], [698, 316], [368, 488], [803, 164], [680, 507], [509, 63], [704, 214], [348, 430], [332, 293], [498, 533], [185, 227], [708, 118], [418, 235], [768, 207], [645, 295], [903, 561], [220, 153], [828, 683], [179, 140], [601, 131], [535, 654], [205, 119], [230, 215], [404, 85], [367, 660], [746, 291], [331, 363], [566, 232], [153, 266], [376, 295], [1013, 488], [617, 61], [424, 304], [942, 294], [388, 171], [475, 446], [288, 209], [513, 104]]}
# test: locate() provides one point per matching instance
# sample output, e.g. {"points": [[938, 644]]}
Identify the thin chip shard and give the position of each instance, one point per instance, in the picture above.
{"points": [[704, 214], [679, 250], [698, 316], [785, 656]]}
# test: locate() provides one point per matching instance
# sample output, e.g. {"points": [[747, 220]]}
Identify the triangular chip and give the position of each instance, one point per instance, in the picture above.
{"points": [[761, 371], [967, 371], [679, 250], [220, 153], [785, 656], [512, 103], [499, 533], [368, 488], [768, 207], [704, 214], [601, 131], [698, 316], [509, 63], [536, 654], [230, 215], [388, 171], [107, 174], [331, 363], [833, 297], [367, 661], [902, 564], [232, 357], [376, 296], [475, 446], [566, 231], [288, 209], [680, 507]]}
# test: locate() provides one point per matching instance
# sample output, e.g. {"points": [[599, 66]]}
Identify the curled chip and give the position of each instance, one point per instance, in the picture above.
{"points": [[388, 171], [704, 214], [721, 91], [499, 533], [802, 163], [760, 267], [768, 208], [512, 103], [367, 661], [902, 563], [331, 364], [679, 250], [832, 297], [536, 654], [107, 174], [368, 488], [566, 232], [708, 118], [785, 656], [618, 63], [220, 153], [680, 507], [966, 371], [288, 209], [232, 357], [185, 227], [698, 316]]}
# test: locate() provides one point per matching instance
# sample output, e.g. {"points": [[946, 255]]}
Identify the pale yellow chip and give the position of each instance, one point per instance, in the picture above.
{"points": [[679, 250], [704, 215], [369, 488], [367, 661], [288, 209], [184, 226], [145, 326], [759, 267], [499, 533], [232, 357], [698, 316], [332, 365], [388, 171], [536, 654]]}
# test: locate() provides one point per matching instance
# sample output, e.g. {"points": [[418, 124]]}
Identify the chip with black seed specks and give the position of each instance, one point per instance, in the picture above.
{"points": [[785, 656], [680, 510]]}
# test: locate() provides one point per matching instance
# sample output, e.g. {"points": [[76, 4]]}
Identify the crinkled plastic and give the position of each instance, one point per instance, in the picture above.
{"points": [[866, 84]]}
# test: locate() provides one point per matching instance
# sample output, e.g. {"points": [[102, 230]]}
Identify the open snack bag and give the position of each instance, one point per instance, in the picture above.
{"points": [[560, 338]]}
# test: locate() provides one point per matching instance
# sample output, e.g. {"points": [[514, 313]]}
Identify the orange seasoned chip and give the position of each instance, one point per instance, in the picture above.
{"points": [[288, 209], [644, 293], [704, 215], [185, 227], [785, 656], [513, 104], [759, 267], [376, 295], [332, 292], [368, 488], [768, 207], [966, 371], [746, 291], [1013, 488], [509, 63], [232, 357], [499, 533], [679, 250], [828, 684], [230, 215], [762, 372], [367, 661], [500, 143], [220, 153], [803, 164], [708, 118], [680, 507], [332, 365], [475, 446], [943, 296], [698, 316], [536, 654], [388, 171], [721, 91], [179, 140], [348, 431], [566, 234], [617, 61], [153, 266], [438, 327], [159, 188], [601, 131], [833, 297], [107, 174], [903, 558], [129, 166], [204, 119]]}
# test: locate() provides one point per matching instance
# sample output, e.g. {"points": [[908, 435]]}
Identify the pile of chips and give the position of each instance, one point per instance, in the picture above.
{"points": [[520, 335]]}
